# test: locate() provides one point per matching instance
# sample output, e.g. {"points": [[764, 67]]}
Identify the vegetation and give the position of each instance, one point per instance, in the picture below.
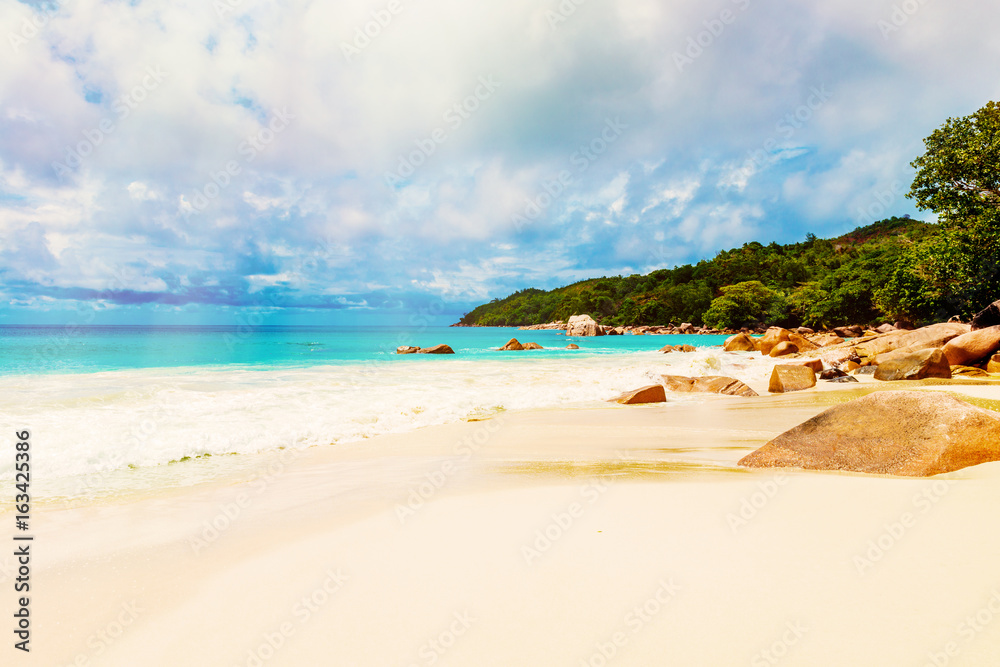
{"points": [[817, 282], [893, 269], [955, 271]]}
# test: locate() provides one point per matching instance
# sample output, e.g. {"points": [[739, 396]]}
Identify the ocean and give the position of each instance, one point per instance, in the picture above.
{"points": [[117, 408]]}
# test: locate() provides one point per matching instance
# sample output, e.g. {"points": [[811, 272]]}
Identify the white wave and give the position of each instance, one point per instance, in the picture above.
{"points": [[87, 424]]}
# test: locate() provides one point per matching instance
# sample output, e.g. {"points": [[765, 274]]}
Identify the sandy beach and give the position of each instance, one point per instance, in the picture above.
{"points": [[591, 536]]}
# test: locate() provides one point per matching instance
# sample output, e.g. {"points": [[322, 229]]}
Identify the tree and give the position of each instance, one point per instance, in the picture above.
{"points": [[745, 304], [955, 271], [959, 176]]}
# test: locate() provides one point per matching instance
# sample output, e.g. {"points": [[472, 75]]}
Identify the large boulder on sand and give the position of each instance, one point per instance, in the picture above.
{"points": [[988, 317], [437, 349], [910, 433], [651, 394], [513, 345], [741, 342], [791, 378], [915, 366], [973, 346], [709, 384], [583, 325]]}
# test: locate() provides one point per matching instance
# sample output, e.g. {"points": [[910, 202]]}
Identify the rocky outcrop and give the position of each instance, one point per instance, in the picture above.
{"points": [[771, 338], [936, 335], [512, 346], [740, 343], [801, 342], [651, 394], [988, 317], [709, 384], [686, 328], [782, 349], [407, 349], [786, 378], [533, 346], [436, 349], [827, 340], [909, 433], [583, 325], [915, 366], [973, 346]]}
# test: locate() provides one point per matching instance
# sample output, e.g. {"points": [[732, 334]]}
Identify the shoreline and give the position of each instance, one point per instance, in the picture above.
{"points": [[638, 504]]}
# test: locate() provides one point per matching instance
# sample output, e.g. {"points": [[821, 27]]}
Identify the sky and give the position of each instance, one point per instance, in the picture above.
{"points": [[395, 161]]}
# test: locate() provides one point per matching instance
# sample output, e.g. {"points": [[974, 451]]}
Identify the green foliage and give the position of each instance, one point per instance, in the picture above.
{"points": [[821, 282], [958, 177], [953, 271], [745, 304]]}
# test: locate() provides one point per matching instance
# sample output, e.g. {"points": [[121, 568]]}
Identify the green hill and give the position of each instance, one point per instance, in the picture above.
{"points": [[819, 282]]}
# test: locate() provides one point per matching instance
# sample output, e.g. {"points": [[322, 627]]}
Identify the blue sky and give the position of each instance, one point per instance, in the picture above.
{"points": [[318, 162]]}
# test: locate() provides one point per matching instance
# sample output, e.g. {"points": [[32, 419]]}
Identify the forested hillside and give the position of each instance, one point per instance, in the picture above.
{"points": [[819, 282]]}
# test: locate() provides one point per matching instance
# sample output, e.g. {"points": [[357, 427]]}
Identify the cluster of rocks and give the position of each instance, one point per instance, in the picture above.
{"points": [[514, 346], [436, 349]]}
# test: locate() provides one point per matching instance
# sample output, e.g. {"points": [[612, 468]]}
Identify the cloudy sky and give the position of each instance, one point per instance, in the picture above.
{"points": [[364, 161]]}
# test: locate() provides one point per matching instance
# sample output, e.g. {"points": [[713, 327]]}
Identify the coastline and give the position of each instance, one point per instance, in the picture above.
{"points": [[644, 509]]}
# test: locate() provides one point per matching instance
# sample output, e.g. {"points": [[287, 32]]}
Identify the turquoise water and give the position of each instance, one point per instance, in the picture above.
{"points": [[117, 407], [81, 349]]}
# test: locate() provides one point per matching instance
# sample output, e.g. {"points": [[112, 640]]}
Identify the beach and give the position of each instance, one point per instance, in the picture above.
{"points": [[584, 535]]}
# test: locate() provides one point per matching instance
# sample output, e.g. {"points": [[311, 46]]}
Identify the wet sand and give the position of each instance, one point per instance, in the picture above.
{"points": [[592, 536]]}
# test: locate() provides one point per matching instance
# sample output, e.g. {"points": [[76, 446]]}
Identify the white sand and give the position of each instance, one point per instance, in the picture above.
{"points": [[657, 501]]}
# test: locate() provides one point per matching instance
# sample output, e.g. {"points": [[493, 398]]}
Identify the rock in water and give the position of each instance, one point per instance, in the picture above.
{"points": [[791, 378], [437, 349], [988, 317], [709, 384], [740, 343], [652, 394], [783, 348], [909, 433], [407, 349], [533, 346], [572, 346], [915, 366], [972, 346], [583, 325], [512, 346]]}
